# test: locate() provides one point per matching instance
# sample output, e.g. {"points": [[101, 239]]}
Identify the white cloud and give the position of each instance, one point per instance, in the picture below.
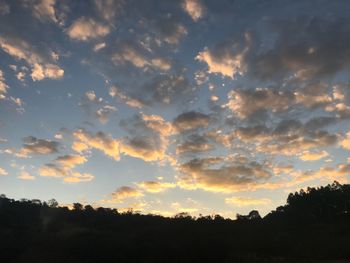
{"points": [[26, 176], [42, 65], [227, 59], [3, 171], [313, 156], [45, 10], [345, 143], [85, 29], [194, 8]]}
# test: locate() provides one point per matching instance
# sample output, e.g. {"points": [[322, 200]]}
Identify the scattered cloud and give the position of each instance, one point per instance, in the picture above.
{"points": [[85, 29], [155, 186], [194, 144], [109, 9], [62, 167], [151, 139], [194, 8], [345, 143], [4, 8], [3, 171], [219, 175], [227, 58], [42, 65], [125, 192], [313, 156], [26, 176], [99, 141], [115, 92], [45, 10], [190, 120], [171, 30], [33, 145], [3, 85]]}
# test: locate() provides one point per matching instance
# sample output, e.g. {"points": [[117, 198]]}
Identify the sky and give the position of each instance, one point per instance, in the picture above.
{"points": [[197, 106]]}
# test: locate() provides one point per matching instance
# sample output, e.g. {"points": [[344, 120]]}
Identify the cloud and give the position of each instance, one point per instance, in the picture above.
{"points": [[313, 156], [3, 85], [190, 120], [154, 88], [219, 175], [125, 192], [99, 46], [155, 186], [80, 146], [97, 107], [167, 89], [314, 95], [194, 8], [161, 63], [345, 143], [91, 96], [227, 58], [258, 133], [99, 141], [288, 137], [144, 147], [42, 65], [3, 171], [104, 113], [33, 145], [26, 176], [53, 170], [149, 141], [109, 9], [171, 30], [292, 145], [194, 144], [305, 54], [85, 29], [136, 55], [132, 55], [247, 201], [70, 161], [45, 10], [62, 167], [246, 102], [4, 8], [115, 92], [39, 146], [338, 173]]}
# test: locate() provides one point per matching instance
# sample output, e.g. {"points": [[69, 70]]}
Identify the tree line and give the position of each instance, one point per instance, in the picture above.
{"points": [[313, 226]]}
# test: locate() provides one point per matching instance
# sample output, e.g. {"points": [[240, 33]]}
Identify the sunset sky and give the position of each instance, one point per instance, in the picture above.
{"points": [[169, 106]]}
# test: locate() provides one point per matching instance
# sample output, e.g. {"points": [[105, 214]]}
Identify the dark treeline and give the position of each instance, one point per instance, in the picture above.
{"points": [[313, 226]]}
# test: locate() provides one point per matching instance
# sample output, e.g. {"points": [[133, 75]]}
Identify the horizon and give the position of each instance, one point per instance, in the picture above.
{"points": [[198, 106]]}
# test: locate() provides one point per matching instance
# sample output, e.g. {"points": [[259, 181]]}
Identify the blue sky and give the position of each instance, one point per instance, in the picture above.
{"points": [[191, 106]]}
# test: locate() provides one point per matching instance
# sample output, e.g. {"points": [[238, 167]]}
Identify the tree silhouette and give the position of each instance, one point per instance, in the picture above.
{"points": [[313, 226]]}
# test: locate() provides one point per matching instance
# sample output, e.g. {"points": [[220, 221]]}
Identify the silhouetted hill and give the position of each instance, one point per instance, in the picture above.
{"points": [[314, 226]]}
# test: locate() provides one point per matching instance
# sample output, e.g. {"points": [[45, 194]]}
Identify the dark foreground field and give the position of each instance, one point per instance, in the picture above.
{"points": [[314, 226]]}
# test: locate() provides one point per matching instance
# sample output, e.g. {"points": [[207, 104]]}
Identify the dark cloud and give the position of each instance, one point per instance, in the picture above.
{"points": [[170, 29], [220, 175], [246, 102], [306, 47], [191, 120], [148, 137], [33, 145], [168, 89], [195, 144]]}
